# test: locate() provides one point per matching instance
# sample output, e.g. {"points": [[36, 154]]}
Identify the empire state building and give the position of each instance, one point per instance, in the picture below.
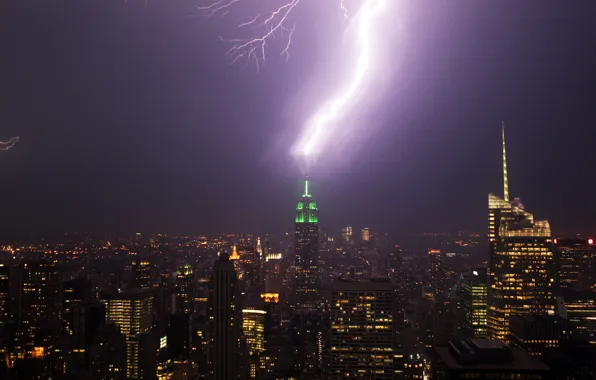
{"points": [[307, 252]]}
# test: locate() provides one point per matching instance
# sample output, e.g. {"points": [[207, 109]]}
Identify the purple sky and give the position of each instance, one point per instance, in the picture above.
{"points": [[131, 119]]}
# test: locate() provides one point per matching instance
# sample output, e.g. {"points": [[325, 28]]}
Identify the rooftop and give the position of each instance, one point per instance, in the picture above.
{"points": [[362, 284], [487, 354]]}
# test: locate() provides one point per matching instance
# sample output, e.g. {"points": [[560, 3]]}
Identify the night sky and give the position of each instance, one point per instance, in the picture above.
{"points": [[131, 118]]}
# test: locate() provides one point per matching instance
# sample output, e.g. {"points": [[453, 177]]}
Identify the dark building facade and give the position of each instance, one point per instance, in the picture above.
{"points": [[39, 304], [224, 316], [4, 293], [485, 359], [575, 263]]}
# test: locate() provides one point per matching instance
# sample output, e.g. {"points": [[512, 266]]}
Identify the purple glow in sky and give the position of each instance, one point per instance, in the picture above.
{"points": [[365, 31]]}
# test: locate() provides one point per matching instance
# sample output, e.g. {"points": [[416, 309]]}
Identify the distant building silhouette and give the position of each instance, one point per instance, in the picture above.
{"points": [[225, 319]]}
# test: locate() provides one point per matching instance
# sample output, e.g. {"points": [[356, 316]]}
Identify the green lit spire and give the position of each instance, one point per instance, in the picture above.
{"points": [[306, 210], [306, 187]]}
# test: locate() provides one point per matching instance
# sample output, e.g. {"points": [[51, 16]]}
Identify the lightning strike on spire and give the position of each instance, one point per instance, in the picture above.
{"points": [[6, 145], [271, 23], [325, 120]]}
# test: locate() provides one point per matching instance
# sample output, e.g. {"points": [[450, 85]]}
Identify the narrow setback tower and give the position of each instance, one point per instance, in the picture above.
{"points": [[307, 252]]}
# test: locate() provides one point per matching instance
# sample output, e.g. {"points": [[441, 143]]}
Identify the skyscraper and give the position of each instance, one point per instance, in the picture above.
{"points": [[436, 272], [132, 313], [253, 327], [365, 234], [87, 319], [474, 302], [347, 234], [307, 252], [521, 262], [184, 289], [224, 318], [38, 301], [575, 263], [141, 274], [74, 292], [362, 336], [4, 293]]}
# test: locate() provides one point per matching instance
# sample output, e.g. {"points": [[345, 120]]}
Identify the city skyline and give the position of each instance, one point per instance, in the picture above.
{"points": [[171, 213]]}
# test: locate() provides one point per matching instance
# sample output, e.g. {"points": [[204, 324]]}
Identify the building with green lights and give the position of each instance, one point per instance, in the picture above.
{"points": [[307, 252]]}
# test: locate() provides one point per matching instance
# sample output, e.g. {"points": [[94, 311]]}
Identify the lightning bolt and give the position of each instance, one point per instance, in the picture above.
{"points": [[325, 120], [271, 23], [266, 26], [342, 5], [6, 145]]}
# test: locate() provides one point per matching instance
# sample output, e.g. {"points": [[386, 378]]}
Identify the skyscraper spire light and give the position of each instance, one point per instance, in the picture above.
{"points": [[306, 187], [505, 180]]}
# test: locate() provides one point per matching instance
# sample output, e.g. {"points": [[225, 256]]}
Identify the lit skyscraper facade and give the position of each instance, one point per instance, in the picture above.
{"points": [[184, 289], [436, 272], [307, 251], [132, 313], [365, 234], [253, 327], [347, 234], [521, 262], [474, 302], [141, 274], [362, 336]]}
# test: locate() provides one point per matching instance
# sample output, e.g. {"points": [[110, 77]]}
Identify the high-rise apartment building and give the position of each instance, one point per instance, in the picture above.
{"points": [[253, 327], [474, 303], [132, 313], [365, 234], [347, 234], [521, 262], [74, 292], [362, 336], [224, 317], [579, 307], [575, 263], [38, 297], [4, 293], [436, 272], [141, 274], [184, 294], [307, 252]]}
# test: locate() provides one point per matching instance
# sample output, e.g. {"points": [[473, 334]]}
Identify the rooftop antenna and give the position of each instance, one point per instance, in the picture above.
{"points": [[505, 180]]}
